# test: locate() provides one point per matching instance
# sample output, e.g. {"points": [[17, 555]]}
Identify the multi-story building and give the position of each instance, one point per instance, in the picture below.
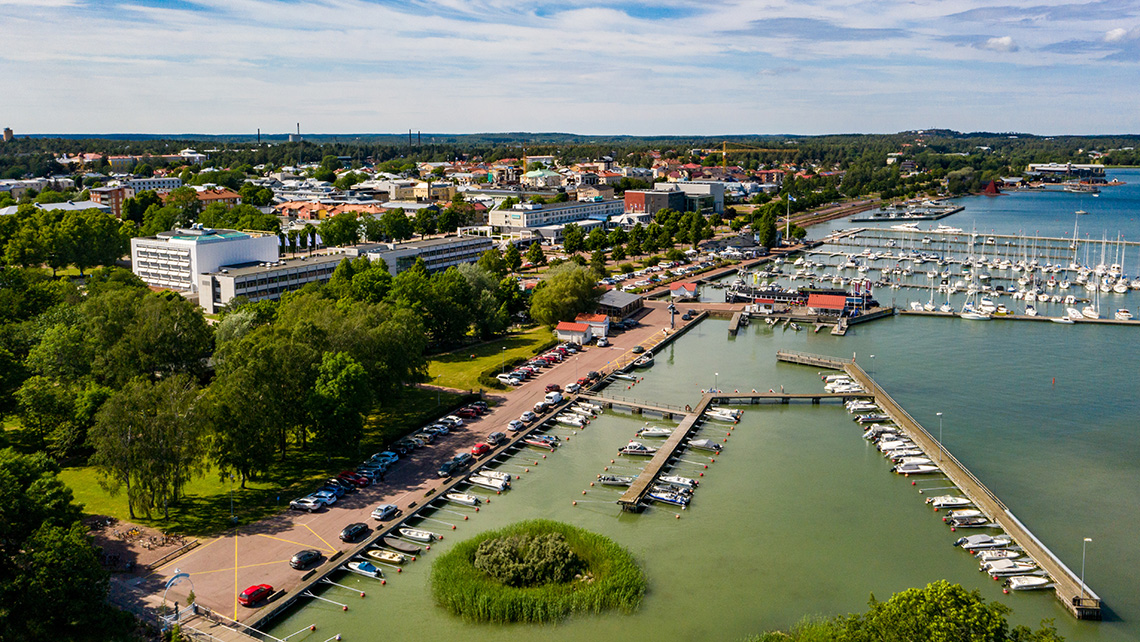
{"points": [[703, 196], [437, 254], [653, 201], [159, 184], [112, 197], [535, 215], [433, 191], [262, 280], [8, 135], [174, 259]]}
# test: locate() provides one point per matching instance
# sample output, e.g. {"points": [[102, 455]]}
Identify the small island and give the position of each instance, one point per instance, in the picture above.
{"points": [[536, 571]]}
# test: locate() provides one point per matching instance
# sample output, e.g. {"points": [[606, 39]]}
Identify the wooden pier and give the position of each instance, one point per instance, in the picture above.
{"points": [[1077, 597], [804, 358], [734, 324], [632, 498], [1023, 317], [636, 407]]}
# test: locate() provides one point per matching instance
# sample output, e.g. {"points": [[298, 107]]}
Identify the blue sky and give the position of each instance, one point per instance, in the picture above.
{"points": [[594, 67]]}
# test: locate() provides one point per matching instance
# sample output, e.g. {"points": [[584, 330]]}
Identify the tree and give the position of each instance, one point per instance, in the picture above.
{"points": [[597, 240], [513, 258], [341, 229], [340, 398], [566, 291], [493, 262], [396, 225], [598, 263], [149, 438], [618, 253], [425, 222], [573, 240], [185, 202], [535, 255]]}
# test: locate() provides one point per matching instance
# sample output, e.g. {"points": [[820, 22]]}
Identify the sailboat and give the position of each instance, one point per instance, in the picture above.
{"points": [[1092, 311]]}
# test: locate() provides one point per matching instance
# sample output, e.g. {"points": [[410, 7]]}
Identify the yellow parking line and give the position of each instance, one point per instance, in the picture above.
{"points": [[331, 549], [289, 541]]}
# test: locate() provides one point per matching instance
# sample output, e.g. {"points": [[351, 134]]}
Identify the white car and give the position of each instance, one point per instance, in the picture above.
{"points": [[573, 387], [385, 511], [528, 417], [452, 420], [516, 425], [326, 497], [602, 342], [306, 503]]}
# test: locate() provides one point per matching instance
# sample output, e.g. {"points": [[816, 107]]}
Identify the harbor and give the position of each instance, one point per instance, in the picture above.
{"points": [[909, 211]]}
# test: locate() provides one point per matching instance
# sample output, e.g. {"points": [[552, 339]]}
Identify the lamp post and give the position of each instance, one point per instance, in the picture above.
{"points": [[1084, 545], [874, 386], [941, 449], [503, 361], [716, 381]]}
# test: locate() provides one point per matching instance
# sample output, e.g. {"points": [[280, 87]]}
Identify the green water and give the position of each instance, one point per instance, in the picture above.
{"points": [[799, 515]]}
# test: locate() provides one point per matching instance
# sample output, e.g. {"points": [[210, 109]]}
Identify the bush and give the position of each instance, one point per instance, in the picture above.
{"points": [[579, 572]]}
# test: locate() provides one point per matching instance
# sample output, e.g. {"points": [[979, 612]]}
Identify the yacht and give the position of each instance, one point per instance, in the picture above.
{"points": [[1123, 314], [637, 448], [915, 469], [654, 431], [948, 501], [1028, 582], [1004, 567], [978, 542]]}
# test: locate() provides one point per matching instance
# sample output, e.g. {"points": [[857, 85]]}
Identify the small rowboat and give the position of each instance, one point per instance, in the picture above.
{"points": [[365, 568], [419, 535], [402, 546], [495, 474], [388, 557], [463, 498]]}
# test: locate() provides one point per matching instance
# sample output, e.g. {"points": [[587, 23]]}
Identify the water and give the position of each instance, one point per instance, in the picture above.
{"points": [[800, 516]]}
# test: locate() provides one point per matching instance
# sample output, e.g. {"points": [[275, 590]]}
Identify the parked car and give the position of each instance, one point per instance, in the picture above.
{"points": [[496, 438], [353, 532], [515, 425], [455, 464], [541, 407], [480, 448], [573, 387], [478, 408], [425, 436], [593, 375], [436, 429], [374, 474], [302, 559], [602, 342], [638, 349], [326, 497], [386, 456], [307, 504], [335, 489], [553, 387], [385, 511], [452, 420], [467, 413], [479, 404], [528, 417], [343, 483], [403, 446], [354, 477], [417, 442], [255, 594], [554, 398]]}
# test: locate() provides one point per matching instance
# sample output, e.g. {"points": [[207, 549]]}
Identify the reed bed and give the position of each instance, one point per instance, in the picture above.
{"points": [[611, 580]]}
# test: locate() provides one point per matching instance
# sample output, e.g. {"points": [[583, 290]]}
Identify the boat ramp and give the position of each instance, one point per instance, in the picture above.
{"points": [[1078, 598]]}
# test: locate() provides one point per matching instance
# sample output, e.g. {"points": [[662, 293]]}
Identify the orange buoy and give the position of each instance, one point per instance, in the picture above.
{"points": [[678, 516], [591, 483], [345, 607], [465, 518], [362, 594], [574, 503]]}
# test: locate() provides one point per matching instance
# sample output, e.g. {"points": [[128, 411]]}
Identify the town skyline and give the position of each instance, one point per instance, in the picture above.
{"points": [[604, 68]]}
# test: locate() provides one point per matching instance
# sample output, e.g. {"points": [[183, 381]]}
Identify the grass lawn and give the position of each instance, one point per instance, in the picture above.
{"points": [[206, 508], [458, 370]]}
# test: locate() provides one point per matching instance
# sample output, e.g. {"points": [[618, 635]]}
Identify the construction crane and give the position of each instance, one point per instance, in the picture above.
{"points": [[725, 150]]}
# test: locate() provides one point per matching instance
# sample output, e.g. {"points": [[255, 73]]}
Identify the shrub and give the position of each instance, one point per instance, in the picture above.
{"points": [[581, 572]]}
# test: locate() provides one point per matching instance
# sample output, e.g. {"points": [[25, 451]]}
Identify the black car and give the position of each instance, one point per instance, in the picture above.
{"points": [[303, 559], [353, 532]]}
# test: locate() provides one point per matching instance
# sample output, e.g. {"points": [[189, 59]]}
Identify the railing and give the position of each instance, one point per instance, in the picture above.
{"points": [[181, 550]]}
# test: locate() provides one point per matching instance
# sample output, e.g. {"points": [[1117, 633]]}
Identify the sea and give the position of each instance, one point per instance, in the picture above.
{"points": [[800, 517]]}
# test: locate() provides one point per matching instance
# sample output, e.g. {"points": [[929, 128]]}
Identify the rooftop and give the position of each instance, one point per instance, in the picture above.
{"points": [[242, 269]]}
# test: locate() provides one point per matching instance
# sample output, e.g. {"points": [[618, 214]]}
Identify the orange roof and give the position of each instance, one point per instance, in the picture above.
{"points": [[569, 326], [591, 318], [217, 195], [683, 286]]}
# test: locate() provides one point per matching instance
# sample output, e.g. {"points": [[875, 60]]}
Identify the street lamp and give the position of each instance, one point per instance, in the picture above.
{"points": [[941, 448], [716, 381], [503, 361], [874, 386], [1084, 545]]}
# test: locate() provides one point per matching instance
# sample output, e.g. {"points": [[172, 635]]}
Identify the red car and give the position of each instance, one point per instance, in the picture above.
{"points": [[255, 594], [553, 387], [479, 410], [354, 478], [466, 413], [480, 449]]}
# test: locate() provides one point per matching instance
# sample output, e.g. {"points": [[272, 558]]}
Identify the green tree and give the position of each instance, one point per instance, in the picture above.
{"points": [[341, 229], [535, 255], [425, 222], [597, 239], [493, 262], [186, 205], [341, 396], [512, 258], [397, 225], [573, 239], [566, 291], [598, 263]]}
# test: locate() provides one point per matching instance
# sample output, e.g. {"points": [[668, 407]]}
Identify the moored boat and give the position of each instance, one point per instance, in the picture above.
{"points": [[654, 431], [388, 557], [705, 444], [463, 498], [637, 448], [402, 546], [490, 483], [364, 567], [615, 480], [494, 474], [916, 469], [1028, 582], [1007, 567], [967, 522], [978, 542], [990, 555], [948, 501], [668, 497], [418, 535], [678, 481]]}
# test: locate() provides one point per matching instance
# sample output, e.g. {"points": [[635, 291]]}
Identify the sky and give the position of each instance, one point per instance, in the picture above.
{"points": [[665, 67]]}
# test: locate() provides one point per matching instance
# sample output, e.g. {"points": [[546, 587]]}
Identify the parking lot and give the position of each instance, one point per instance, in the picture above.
{"points": [[259, 553]]}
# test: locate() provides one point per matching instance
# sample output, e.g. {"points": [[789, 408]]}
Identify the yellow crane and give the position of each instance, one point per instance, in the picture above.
{"points": [[725, 150]]}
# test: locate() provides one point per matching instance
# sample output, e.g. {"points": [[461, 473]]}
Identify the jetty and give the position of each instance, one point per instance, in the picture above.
{"points": [[631, 500], [1080, 600]]}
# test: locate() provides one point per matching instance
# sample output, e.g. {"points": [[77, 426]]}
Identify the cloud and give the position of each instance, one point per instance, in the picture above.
{"points": [[815, 30], [1003, 44], [1120, 34]]}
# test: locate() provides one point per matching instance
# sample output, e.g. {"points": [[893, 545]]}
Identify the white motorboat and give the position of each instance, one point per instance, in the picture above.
{"points": [[615, 480], [964, 512], [895, 455], [1028, 582], [495, 474], [668, 497], [714, 415], [1123, 314], [654, 431], [705, 444], [680, 482], [364, 567], [570, 419], [463, 498], [1002, 567], [914, 460], [968, 522], [637, 448], [871, 419], [978, 542], [735, 413], [895, 444], [916, 469], [584, 413], [948, 501], [592, 406], [490, 483], [1090, 312], [419, 535], [1062, 320], [992, 554], [1030, 310]]}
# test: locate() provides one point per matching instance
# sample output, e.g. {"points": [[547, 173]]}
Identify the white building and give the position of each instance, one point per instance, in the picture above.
{"points": [[535, 215], [174, 259], [266, 280], [437, 254], [164, 184]]}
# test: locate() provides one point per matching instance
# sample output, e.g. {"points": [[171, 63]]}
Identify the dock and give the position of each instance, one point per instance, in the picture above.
{"points": [[1077, 597], [1023, 317], [636, 407], [632, 498], [734, 324], [819, 361]]}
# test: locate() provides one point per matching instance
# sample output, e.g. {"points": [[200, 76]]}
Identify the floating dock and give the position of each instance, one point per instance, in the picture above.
{"points": [[1023, 317], [1077, 597], [632, 498]]}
